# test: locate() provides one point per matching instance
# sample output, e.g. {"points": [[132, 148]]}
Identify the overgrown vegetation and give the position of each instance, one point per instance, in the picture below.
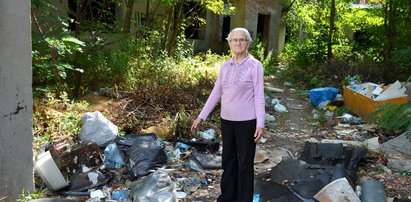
{"points": [[371, 41]]}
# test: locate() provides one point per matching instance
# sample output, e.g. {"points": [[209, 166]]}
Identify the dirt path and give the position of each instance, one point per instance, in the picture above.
{"points": [[290, 128]]}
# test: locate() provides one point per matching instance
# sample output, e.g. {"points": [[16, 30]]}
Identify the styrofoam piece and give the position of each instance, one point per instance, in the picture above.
{"points": [[337, 191], [49, 172], [394, 91]]}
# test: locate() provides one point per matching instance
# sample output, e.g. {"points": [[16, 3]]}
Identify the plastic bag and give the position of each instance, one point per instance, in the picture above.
{"points": [[208, 134], [113, 158], [280, 108], [319, 95], [96, 128], [269, 117], [155, 187], [145, 155]]}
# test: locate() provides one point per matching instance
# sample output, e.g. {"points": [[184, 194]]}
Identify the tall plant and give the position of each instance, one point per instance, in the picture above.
{"points": [[53, 46]]}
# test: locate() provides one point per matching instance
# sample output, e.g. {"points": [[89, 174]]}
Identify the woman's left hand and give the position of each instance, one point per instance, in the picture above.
{"points": [[259, 132]]}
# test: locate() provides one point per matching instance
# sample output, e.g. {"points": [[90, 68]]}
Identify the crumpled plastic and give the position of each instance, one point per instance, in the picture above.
{"points": [[96, 128]]}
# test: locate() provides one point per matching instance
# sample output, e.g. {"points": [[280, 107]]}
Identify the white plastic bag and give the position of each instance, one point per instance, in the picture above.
{"points": [[208, 134], [96, 128], [280, 108], [269, 117]]}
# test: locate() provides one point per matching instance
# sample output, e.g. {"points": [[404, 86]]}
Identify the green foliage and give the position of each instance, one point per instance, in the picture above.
{"points": [[341, 111], [316, 82], [392, 116], [53, 47], [402, 58], [257, 50], [363, 37]]}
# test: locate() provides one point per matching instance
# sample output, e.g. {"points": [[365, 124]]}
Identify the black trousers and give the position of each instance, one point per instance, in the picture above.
{"points": [[237, 182]]}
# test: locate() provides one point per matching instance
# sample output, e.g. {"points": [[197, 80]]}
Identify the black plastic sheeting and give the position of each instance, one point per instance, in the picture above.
{"points": [[81, 182], [145, 153], [320, 164], [272, 191], [373, 191], [329, 154]]}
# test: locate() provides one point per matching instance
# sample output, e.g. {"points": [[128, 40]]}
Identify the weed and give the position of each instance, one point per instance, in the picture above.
{"points": [[26, 196], [341, 110], [284, 114]]}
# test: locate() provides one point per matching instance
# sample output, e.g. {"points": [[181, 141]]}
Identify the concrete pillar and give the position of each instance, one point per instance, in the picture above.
{"points": [[274, 32], [281, 37], [16, 153]]}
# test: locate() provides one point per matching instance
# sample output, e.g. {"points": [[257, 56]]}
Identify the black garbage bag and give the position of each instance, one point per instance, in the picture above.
{"points": [[145, 154], [210, 147]]}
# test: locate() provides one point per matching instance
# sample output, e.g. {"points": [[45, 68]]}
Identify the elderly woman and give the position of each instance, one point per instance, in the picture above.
{"points": [[241, 89]]}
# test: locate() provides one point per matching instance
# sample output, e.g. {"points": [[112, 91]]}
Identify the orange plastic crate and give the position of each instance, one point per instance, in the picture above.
{"points": [[363, 106]]}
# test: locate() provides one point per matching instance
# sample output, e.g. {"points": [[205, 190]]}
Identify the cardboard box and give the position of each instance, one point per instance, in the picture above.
{"points": [[363, 106]]}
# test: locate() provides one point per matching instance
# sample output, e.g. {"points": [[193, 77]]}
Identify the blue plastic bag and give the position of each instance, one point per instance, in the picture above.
{"points": [[256, 198], [120, 195], [318, 95], [113, 158]]}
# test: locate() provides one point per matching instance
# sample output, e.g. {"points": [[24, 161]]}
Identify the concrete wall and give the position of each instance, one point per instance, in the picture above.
{"points": [[16, 154], [266, 7]]}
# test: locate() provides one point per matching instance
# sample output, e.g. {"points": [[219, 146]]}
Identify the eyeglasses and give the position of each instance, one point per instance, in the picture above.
{"points": [[238, 40]]}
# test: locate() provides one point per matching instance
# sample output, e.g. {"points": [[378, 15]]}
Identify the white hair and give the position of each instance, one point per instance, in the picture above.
{"points": [[240, 29]]}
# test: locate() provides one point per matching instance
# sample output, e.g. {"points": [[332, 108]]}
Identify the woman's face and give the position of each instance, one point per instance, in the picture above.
{"points": [[238, 43]]}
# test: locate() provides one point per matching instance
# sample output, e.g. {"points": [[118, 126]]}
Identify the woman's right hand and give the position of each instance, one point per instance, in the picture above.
{"points": [[195, 125]]}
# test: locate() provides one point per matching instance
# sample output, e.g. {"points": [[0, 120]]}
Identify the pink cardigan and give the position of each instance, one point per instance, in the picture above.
{"points": [[241, 89]]}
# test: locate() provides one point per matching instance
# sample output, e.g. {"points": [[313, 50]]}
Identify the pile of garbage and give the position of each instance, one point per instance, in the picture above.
{"points": [[140, 167]]}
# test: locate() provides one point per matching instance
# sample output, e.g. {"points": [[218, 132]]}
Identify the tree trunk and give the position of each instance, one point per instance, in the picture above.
{"points": [[391, 12], [127, 18], [167, 30], [78, 75], [330, 34], [177, 27], [55, 70]]}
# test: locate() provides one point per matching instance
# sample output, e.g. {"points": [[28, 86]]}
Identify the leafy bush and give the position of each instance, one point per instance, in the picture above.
{"points": [[393, 116], [257, 50]]}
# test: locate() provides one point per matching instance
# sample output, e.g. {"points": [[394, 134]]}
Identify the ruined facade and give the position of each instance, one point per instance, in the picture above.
{"points": [[261, 17]]}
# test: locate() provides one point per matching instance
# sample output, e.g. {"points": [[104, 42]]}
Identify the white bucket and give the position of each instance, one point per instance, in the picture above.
{"points": [[49, 172], [337, 191]]}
